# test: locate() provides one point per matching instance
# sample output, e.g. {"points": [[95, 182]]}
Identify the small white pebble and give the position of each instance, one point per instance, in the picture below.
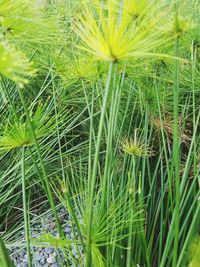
{"points": [[51, 259]]}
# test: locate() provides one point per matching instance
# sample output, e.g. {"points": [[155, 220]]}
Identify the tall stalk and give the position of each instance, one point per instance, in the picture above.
{"points": [[95, 166], [176, 152], [132, 186], [27, 233], [48, 189], [194, 55]]}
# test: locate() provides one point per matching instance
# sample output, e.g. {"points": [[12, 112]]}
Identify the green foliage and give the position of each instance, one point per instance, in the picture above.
{"points": [[14, 65], [195, 253], [115, 143], [23, 20], [18, 134], [5, 260]]}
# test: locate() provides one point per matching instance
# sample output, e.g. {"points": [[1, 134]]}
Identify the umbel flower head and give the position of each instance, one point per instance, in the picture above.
{"points": [[72, 70], [134, 9], [17, 133], [14, 65], [110, 33], [25, 20], [136, 147], [182, 25]]}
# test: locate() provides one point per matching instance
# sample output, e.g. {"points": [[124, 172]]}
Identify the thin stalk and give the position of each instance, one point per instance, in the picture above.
{"points": [[132, 184], [91, 133], [176, 152], [164, 147], [48, 189], [58, 132], [193, 229], [109, 157], [73, 214], [95, 165], [194, 53], [27, 234], [37, 169]]}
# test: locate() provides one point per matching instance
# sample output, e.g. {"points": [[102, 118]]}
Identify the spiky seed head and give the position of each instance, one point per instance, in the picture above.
{"points": [[108, 34], [178, 26], [136, 147]]}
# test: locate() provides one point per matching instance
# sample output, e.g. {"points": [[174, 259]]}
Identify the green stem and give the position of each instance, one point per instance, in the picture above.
{"points": [[194, 53], [190, 234], [37, 169], [5, 260], [95, 166], [27, 234], [58, 132], [176, 152], [132, 184], [48, 188]]}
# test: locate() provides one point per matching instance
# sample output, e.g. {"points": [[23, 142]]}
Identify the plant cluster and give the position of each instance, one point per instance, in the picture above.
{"points": [[100, 116]]}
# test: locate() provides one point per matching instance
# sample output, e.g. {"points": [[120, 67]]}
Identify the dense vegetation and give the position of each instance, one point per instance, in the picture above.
{"points": [[100, 116]]}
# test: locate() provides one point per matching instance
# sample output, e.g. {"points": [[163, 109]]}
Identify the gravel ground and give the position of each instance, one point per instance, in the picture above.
{"points": [[43, 257]]}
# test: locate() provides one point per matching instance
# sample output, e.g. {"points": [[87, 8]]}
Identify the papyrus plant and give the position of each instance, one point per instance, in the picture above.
{"points": [[17, 134], [109, 33]]}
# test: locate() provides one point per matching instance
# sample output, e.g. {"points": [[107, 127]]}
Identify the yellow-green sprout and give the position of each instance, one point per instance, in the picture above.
{"points": [[18, 133], [107, 32], [14, 65], [136, 147], [179, 26], [81, 68]]}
